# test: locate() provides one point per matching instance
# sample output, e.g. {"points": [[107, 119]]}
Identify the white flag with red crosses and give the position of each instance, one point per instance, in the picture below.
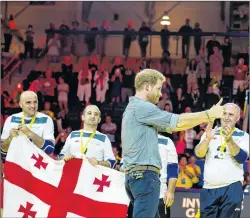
{"points": [[35, 185]]}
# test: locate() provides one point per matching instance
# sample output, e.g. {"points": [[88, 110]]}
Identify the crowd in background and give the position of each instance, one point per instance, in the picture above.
{"points": [[63, 95]]}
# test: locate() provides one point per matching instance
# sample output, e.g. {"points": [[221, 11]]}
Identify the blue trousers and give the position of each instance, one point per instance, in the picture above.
{"points": [[143, 189], [222, 202]]}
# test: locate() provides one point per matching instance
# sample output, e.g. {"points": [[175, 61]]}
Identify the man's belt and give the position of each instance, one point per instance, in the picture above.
{"points": [[143, 168]]}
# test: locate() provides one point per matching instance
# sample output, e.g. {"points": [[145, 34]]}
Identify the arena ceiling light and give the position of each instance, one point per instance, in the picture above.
{"points": [[165, 20]]}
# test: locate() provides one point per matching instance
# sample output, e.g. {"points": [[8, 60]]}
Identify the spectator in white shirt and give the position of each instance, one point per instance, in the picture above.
{"points": [[109, 128]]}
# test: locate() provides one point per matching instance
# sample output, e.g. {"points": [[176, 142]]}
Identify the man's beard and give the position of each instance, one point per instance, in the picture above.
{"points": [[153, 98]]}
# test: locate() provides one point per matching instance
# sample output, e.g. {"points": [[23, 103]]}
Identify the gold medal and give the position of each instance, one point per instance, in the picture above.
{"points": [[221, 155]]}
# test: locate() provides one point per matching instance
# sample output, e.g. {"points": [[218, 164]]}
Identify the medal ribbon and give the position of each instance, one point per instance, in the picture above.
{"points": [[84, 147], [32, 121]]}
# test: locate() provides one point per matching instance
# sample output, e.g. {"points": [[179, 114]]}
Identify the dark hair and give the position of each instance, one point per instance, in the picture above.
{"points": [[226, 38], [30, 26], [181, 156], [11, 17], [190, 65]]}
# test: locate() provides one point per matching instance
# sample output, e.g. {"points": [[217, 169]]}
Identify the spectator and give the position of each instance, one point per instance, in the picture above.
{"points": [[64, 26], [210, 98], [127, 84], [63, 90], [15, 94], [195, 170], [198, 136], [195, 99], [116, 85], [185, 177], [6, 99], [226, 51], [201, 65], [48, 87], [246, 182], [179, 101], [165, 100], [67, 67], [84, 83], [167, 87], [187, 110], [102, 39], [165, 39], [91, 39], [240, 75], [143, 39], [180, 144], [60, 121], [216, 86], [117, 64], [216, 62], [36, 85], [101, 84], [93, 65], [190, 135], [47, 110], [185, 39], [76, 40], [197, 39], [168, 108], [29, 43], [50, 34], [191, 72], [116, 153], [128, 38], [75, 25], [8, 35], [60, 141], [109, 128], [210, 45], [144, 65], [166, 63], [241, 95], [54, 46]]}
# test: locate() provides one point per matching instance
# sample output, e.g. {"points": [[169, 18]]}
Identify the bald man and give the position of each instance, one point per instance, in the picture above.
{"points": [[89, 142], [38, 127], [225, 150]]}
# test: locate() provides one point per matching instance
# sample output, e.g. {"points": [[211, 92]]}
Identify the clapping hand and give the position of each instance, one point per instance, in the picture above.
{"points": [[227, 132], [210, 132]]}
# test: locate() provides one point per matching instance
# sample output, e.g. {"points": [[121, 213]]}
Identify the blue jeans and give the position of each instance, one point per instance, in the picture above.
{"points": [[143, 189]]}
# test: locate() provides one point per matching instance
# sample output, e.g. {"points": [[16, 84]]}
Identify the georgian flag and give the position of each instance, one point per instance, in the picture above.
{"points": [[35, 185]]}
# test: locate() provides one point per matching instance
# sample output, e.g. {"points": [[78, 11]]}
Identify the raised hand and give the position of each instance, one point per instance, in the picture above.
{"points": [[210, 132], [216, 111]]}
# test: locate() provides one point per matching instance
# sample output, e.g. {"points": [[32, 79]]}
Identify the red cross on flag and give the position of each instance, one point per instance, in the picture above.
{"points": [[35, 185]]}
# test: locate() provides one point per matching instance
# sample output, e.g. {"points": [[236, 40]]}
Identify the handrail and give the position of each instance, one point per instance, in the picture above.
{"points": [[12, 70], [40, 43], [152, 33]]}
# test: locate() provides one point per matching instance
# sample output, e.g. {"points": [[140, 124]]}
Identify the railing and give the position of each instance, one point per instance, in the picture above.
{"points": [[114, 42], [18, 49]]}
